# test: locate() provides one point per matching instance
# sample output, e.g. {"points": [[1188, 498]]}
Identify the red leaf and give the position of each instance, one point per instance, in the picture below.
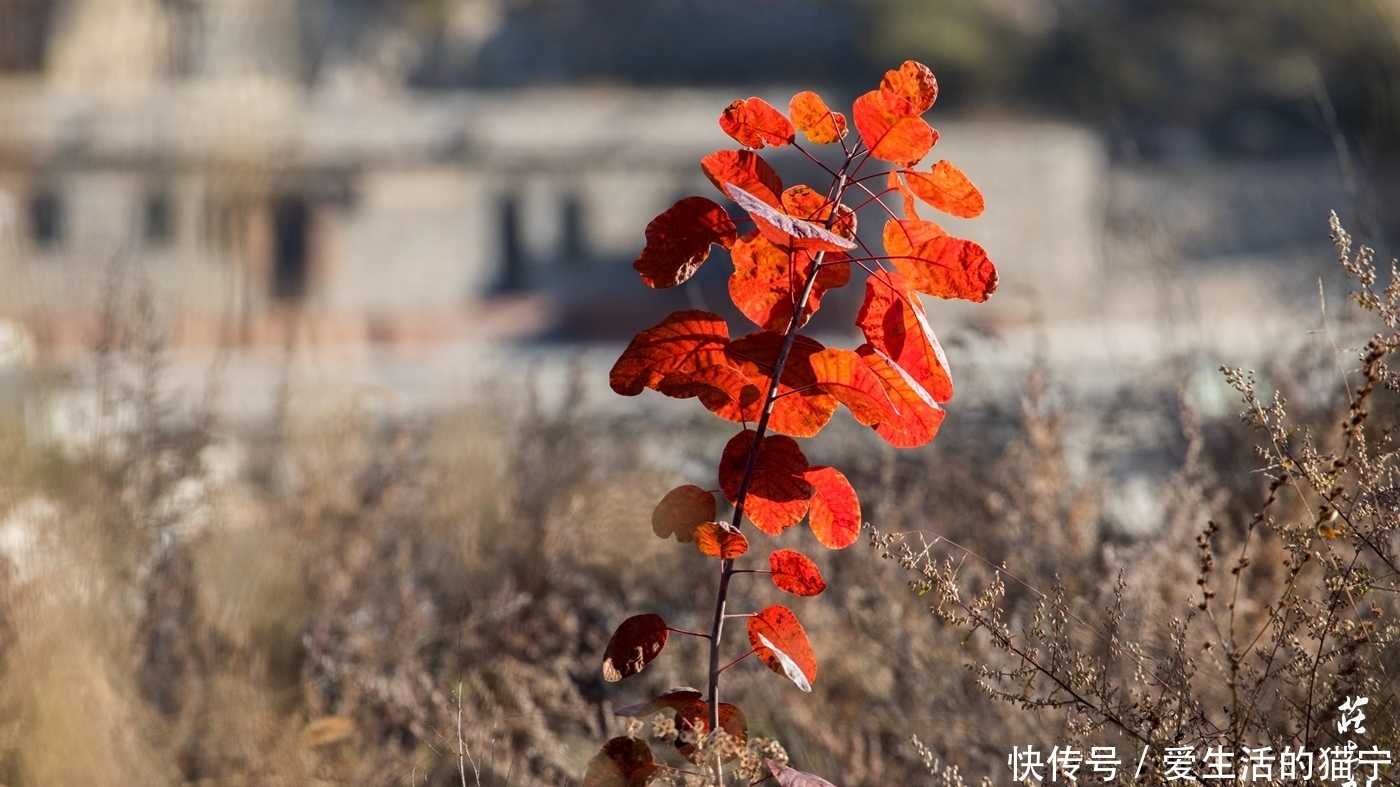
{"points": [[896, 183], [913, 82], [674, 698], [695, 716], [717, 540], [778, 494], [716, 387], [806, 203], [795, 573], [812, 117], [947, 189], [835, 519], [753, 122], [784, 229], [893, 321], [683, 342], [636, 642], [844, 375], [768, 279], [801, 409], [938, 264], [745, 169], [920, 415], [681, 511], [791, 777], [891, 128], [623, 762], [786, 650], [679, 240]]}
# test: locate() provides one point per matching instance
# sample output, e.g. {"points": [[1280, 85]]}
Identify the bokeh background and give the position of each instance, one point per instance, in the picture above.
{"points": [[306, 309]]}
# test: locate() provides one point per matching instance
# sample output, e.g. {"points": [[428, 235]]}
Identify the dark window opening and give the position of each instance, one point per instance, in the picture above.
{"points": [[514, 275], [158, 220], [575, 244], [290, 229], [46, 219]]}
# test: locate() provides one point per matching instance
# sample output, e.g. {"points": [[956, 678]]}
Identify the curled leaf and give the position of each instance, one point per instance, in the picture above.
{"points": [[623, 762], [781, 643], [634, 645], [938, 264], [893, 321], [835, 518], [788, 230], [716, 386], [679, 240], [795, 573], [748, 171], [778, 494], [753, 122], [896, 183], [947, 189], [681, 511], [913, 82], [716, 539], [892, 129], [844, 375], [683, 342], [804, 202], [673, 698], [791, 777], [919, 415], [812, 117]]}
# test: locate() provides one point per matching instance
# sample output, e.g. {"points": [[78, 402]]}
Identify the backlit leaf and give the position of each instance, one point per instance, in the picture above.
{"points": [[673, 698], [768, 279], [812, 117], [681, 511], [920, 415], [893, 321], [633, 646], [791, 777], [745, 169], [787, 230], [715, 386], [938, 264], [795, 573], [782, 644], [804, 202], [913, 82], [835, 518], [679, 240], [695, 717], [778, 494], [754, 122], [896, 183], [718, 540], [947, 189], [623, 762], [891, 129], [844, 375], [683, 342], [802, 409]]}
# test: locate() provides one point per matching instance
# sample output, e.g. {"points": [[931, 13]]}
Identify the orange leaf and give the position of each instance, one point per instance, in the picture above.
{"points": [[673, 698], [893, 321], [683, 342], [938, 264], [623, 762], [681, 511], [801, 409], [778, 494], [791, 777], [806, 203], [768, 279], [835, 516], [679, 240], [718, 540], [914, 83], [812, 117], [782, 645], [844, 375], [891, 128], [695, 716], [796, 573], [745, 169], [753, 122], [787, 230], [896, 183], [920, 415], [716, 386], [947, 189], [636, 642]]}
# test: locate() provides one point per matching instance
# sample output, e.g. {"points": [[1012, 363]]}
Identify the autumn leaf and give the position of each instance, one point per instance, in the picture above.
{"points": [[768, 279], [754, 122], [716, 539], [812, 117], [748, 171], [938, 264], [781, 643], [695, 716], [913, 82], [795, 573], [672, 698], [891, 129], [791, 777], [835, 519], [623, 762], [804, 202], [636, 642], [802, 409], [896, 183], [679, 240], [784, 229], [681, 511], [894, 323], [845, 376], [920, 415], [683, 342], [947, 189], [778, 494], [716, 386]]}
